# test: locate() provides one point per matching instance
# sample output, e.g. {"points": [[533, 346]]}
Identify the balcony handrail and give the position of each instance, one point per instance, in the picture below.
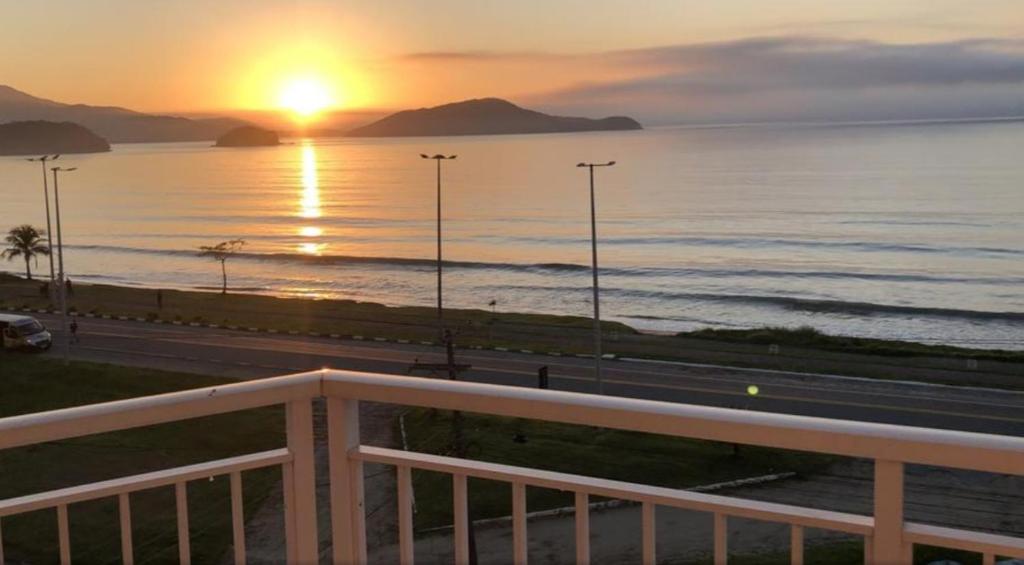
{"points": [[143, 481], [890, 442], [888, 536], [77, 421], [928, 446]]}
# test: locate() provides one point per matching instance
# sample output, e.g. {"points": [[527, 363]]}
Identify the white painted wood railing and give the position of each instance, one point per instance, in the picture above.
{"points": [[888, 537]]}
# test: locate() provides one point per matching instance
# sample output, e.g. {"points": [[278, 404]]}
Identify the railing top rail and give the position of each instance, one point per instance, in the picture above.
{"points": [[983, 452], [89, 419], [946, 448]]}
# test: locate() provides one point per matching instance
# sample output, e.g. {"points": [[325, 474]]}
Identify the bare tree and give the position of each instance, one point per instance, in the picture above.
{"points": [[26, 242], [222, 252]]}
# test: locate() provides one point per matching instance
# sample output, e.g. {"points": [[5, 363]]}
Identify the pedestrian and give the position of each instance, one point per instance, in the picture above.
{"points": [[74, 330], [67, 286], [159, 299]]}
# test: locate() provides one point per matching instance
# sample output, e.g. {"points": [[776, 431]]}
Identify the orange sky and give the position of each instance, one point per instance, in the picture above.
{"points": [[197, 55]]}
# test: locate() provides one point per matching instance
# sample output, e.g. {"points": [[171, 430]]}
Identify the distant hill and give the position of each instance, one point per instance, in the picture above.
{"points": [[118, 125], [484, 116], [248, 136], [40, 137]]}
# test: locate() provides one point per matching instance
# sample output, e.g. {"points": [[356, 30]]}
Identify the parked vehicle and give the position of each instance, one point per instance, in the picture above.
{"points": [[24, 332]]}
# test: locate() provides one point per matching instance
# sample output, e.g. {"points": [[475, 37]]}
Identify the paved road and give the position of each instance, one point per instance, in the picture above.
{"points": [[241, 354]]}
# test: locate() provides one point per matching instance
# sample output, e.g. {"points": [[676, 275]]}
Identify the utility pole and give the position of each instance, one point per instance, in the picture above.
{"points": [[49, 237], [61, 290], [593, 252], [440, 306], [458, 427]]}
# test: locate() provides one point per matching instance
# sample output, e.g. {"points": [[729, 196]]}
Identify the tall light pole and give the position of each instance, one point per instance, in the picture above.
{"points": [[440, 305], [46, 198], [62, 290], [593, 253]]}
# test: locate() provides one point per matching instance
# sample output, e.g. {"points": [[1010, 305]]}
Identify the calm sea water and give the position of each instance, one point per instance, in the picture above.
{"points": [[895, 231]]}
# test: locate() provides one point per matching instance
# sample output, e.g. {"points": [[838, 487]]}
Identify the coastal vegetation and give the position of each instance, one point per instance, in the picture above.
{"points": [[24, 241], [222, 252]]}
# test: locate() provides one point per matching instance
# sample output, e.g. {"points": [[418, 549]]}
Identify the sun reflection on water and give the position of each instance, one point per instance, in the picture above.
{"points": [[309, 202]]}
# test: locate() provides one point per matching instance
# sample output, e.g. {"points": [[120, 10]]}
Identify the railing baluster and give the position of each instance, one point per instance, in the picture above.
{"points": [[986, 559], [582, 528], [869, 550], [519, 539], [1, 542], [460, 513], [721, 539], [181, 503], [888, 544], [63, 537], [124, 511], [287, 479], [405, 525], [647, 533], [237, 518], [348, 514], [796, 545], [299, 415]]}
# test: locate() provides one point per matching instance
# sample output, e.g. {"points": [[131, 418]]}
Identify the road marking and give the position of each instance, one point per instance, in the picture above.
{"points": [[330, 349], [643, 384]]}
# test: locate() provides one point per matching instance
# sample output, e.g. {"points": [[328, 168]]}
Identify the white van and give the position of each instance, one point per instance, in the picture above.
{"points": [[24, 332]]}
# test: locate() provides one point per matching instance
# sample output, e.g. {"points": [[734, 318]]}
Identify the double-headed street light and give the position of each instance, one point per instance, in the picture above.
{"points": [[593, 251], [46, 198], [440, 310], [62, 289]]}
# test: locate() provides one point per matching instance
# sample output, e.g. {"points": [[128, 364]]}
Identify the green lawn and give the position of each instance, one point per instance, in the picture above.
{"points": [[612, 454], [31, 384]]}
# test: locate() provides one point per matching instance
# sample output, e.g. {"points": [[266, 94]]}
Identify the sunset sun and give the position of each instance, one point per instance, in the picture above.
{"points": [[305, 97]]}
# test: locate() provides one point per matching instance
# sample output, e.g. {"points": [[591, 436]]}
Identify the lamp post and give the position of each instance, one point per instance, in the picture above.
{"points": [[440, 311], [593, 252], [62, 290], [46, 198]]}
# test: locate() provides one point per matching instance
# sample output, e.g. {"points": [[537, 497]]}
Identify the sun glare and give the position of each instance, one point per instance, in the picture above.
{"points": [[305, 97]]}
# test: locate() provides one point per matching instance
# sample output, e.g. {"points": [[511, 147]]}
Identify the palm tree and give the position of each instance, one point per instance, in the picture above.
{"points": [[222, 252], [27, 242]]}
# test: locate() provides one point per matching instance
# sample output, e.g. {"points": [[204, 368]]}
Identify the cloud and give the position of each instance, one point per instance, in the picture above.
{"points": [[806, 78]]}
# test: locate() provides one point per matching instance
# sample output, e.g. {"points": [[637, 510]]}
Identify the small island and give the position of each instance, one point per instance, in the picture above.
{"points": [[248, 136], [484, 116], [39, 137]]}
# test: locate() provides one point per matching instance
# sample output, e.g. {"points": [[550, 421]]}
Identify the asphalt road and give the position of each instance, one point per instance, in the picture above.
{"points": [[245, 355]]}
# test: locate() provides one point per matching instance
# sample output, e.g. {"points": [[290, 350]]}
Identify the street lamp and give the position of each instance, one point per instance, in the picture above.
{"points": [[440, 311], [593, 252], [46, 198], [62, 290]]}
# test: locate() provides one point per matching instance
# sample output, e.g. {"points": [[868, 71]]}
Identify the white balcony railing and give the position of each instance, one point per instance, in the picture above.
{"points": [[888, 537]]}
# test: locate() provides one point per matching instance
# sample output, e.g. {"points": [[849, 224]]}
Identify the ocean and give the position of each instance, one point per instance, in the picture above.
{"points": [[902, 231]]}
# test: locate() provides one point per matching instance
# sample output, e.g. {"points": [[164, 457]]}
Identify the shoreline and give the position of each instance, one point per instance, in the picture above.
{"points": [[792, 350]]}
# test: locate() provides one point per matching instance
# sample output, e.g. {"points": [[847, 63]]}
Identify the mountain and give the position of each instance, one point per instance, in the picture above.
{"points": [[248, 136], [484, 116], [38, 137], [118, 125]]}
